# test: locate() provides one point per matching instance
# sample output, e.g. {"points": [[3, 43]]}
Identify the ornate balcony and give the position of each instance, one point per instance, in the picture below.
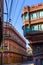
{"points": [[34, 32]]}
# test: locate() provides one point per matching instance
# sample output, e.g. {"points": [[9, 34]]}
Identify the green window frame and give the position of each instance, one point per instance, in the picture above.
{"points": [[31, 15], [26, 28], [25, 16], [34, 27]]}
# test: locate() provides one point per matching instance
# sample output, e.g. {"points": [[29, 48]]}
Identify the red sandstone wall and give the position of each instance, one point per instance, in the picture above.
{"points": [[14, 52]]}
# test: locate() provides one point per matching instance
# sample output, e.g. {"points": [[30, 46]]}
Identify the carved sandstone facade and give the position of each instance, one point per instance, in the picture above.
{"points": [[33, 30]]}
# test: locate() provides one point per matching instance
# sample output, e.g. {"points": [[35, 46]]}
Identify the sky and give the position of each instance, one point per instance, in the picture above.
{"points": [[16, 11]]}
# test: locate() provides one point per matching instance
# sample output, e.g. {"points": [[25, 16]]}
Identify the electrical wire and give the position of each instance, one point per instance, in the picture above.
{"points": [[10, 10], [7, 9], [16, 7], [19, 12]]}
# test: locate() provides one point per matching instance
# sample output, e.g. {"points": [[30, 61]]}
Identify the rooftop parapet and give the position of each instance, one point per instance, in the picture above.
{"points": [[32, 8]]}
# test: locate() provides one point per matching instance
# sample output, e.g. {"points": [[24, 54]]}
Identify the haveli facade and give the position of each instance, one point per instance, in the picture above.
{"points": [[13, 48], [33, 30]]}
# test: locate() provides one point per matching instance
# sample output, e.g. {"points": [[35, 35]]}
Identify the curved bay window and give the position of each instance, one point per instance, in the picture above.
{"points": [[37, 14], [33, 15], [26, 28], [38, 27], [25, 16]]}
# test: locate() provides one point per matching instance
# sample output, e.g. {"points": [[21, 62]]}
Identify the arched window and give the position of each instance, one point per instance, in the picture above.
{"points": [[34, 27], [33, 15], [25, 16], [41, 13], [41, 26]]}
